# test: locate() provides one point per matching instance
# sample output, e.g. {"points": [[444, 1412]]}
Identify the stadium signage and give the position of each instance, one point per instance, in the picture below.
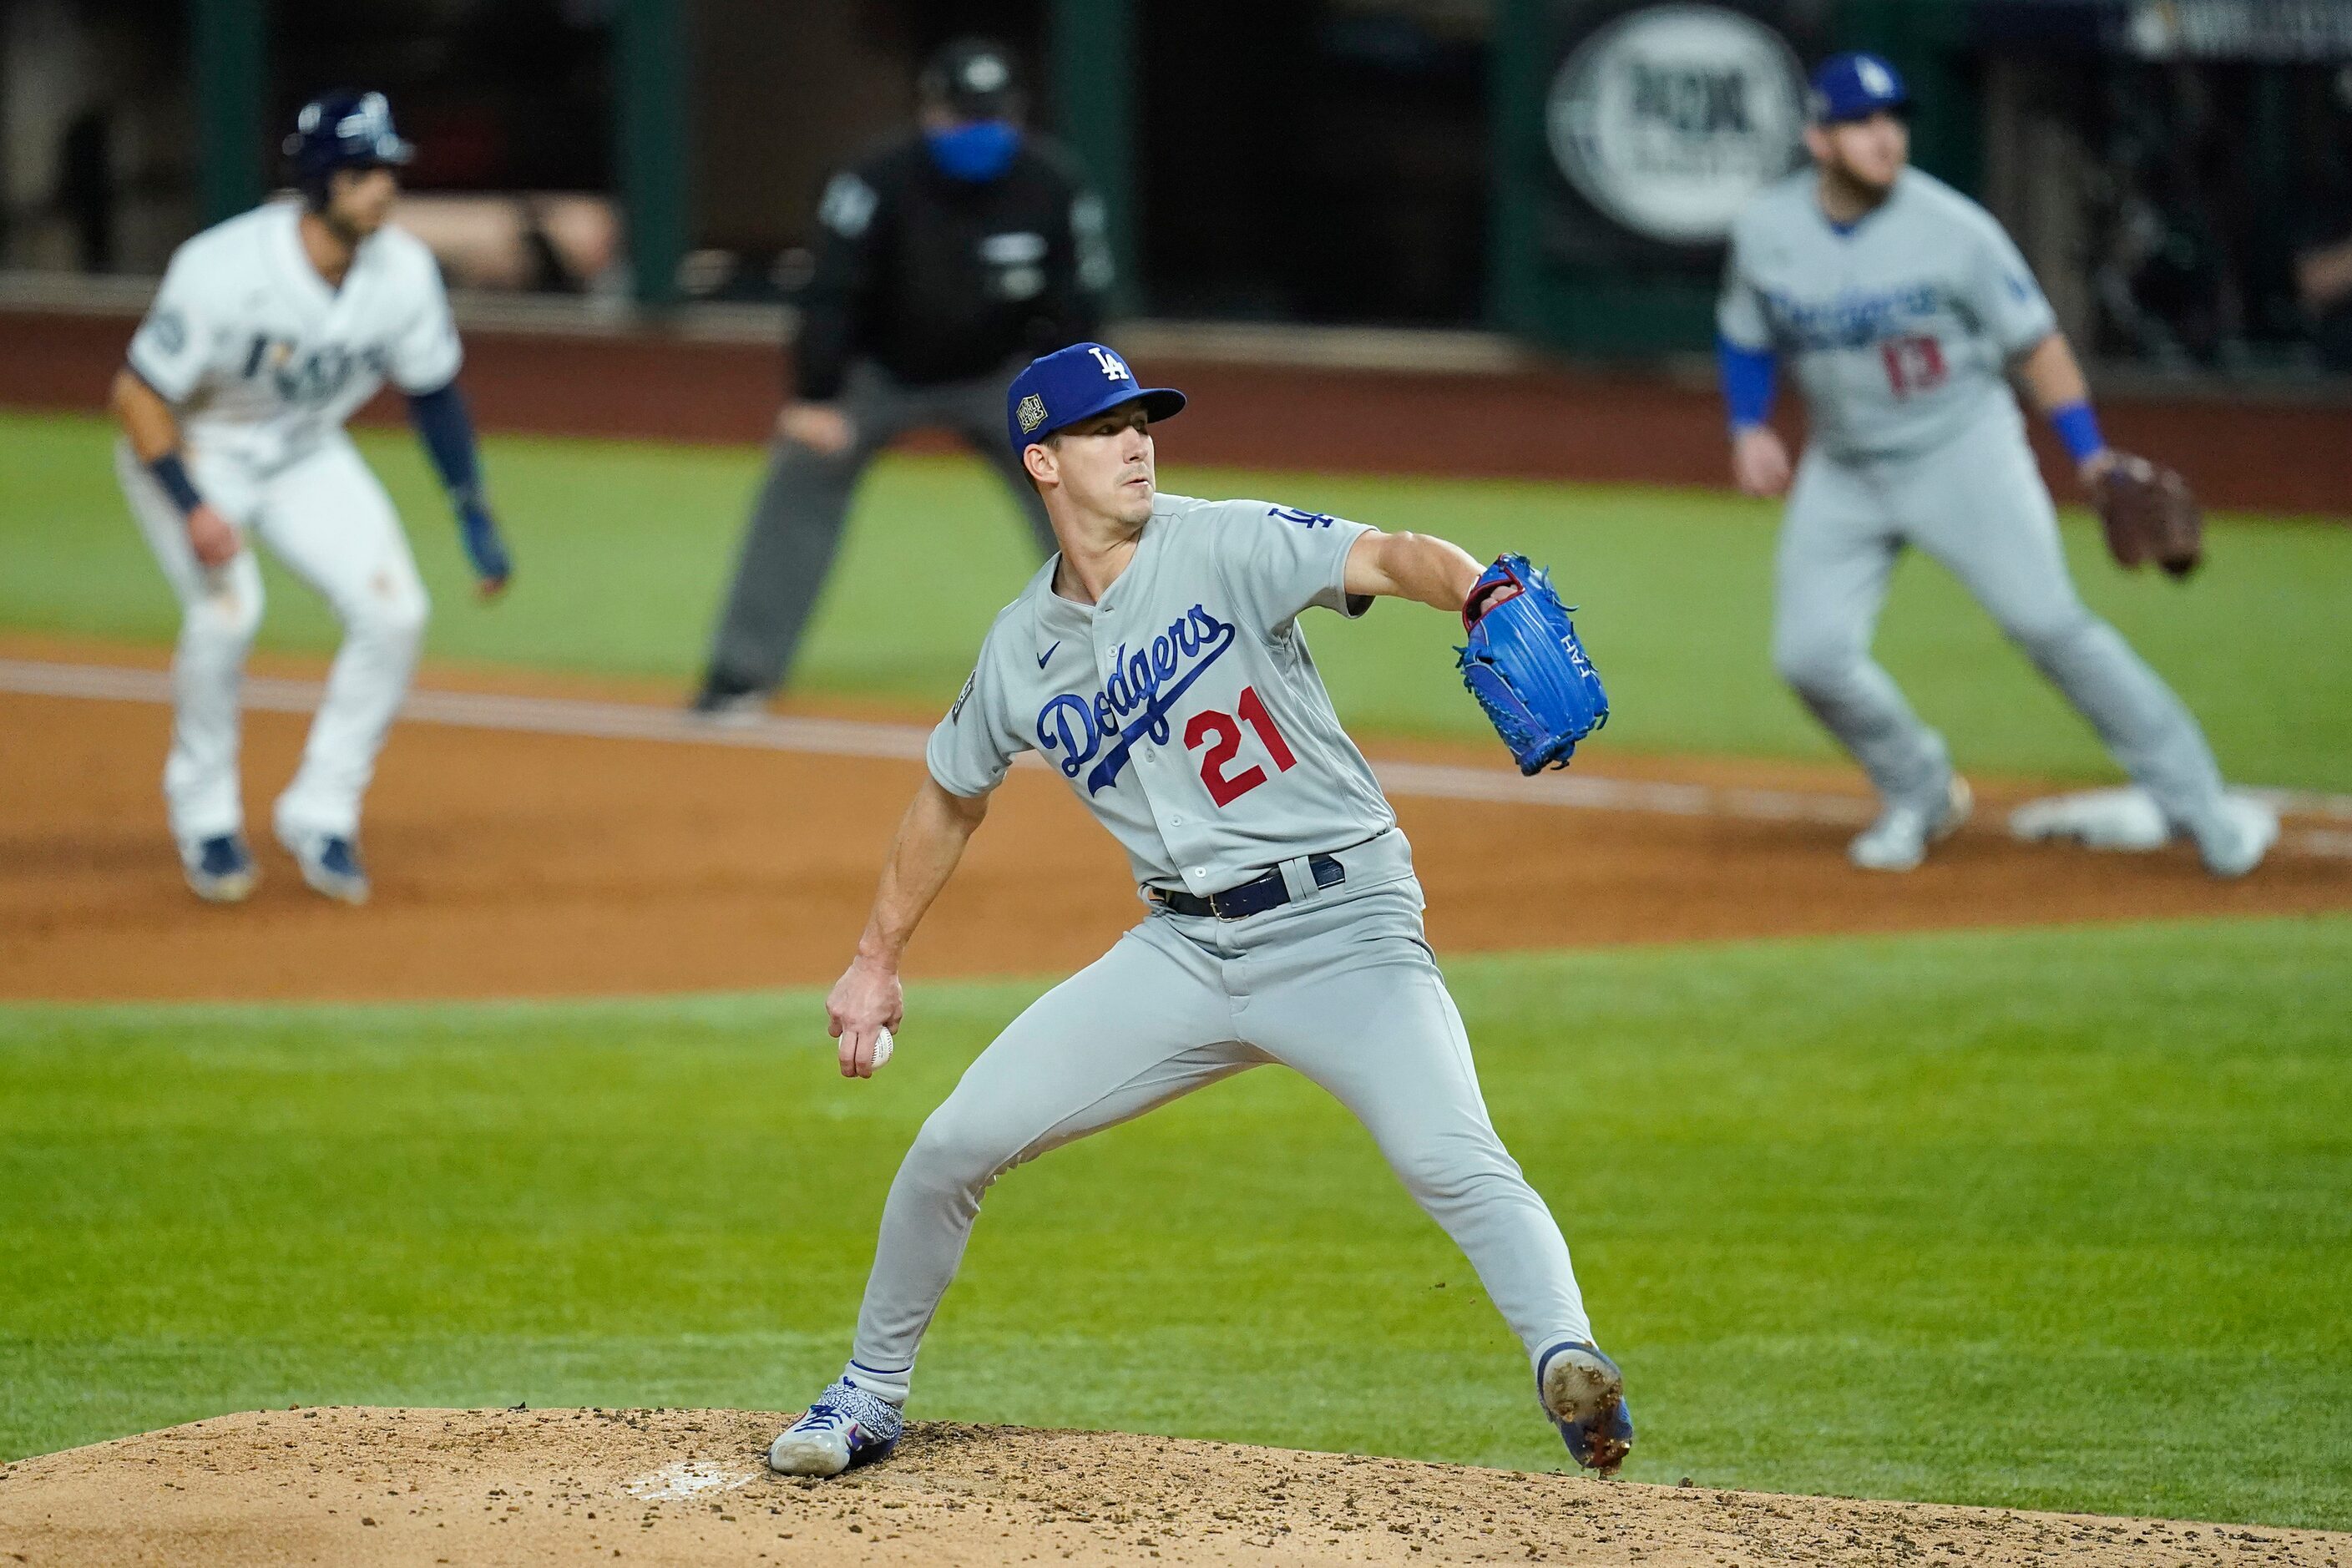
{"points": [[1670, 117], [2240, 29]]}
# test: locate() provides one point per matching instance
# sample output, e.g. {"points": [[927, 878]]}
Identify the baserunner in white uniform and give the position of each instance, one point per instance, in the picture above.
{"points": [[1903, 308], [269, 331], [1157, 663]]}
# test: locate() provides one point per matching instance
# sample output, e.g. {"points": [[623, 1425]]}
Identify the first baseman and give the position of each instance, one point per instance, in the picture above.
{"points": [[1903, 307], [270, 330], [1157, 664]]}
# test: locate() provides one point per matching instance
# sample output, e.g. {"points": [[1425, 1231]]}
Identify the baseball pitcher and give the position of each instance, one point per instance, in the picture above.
{"points": [[1157, 663], [270, 330], [1903, 308]]}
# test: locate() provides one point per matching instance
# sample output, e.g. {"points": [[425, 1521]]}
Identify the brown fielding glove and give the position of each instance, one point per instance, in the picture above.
{"points": [[2150, 515]]}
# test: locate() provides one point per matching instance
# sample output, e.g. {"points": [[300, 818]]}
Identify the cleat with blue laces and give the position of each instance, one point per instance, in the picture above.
{"points": [[331, 864], [845, 1428], [1584, 1395], [219, 869]]}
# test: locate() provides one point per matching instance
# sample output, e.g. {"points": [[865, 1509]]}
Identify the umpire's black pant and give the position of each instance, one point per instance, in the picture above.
{"points": [[796, 524]]}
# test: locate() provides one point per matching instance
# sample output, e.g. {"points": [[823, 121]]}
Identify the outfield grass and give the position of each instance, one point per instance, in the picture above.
{"points": [[624, 549], [2052, 1218]]}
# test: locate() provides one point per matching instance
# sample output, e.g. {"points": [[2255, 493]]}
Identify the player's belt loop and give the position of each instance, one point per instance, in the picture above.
{"points": [[1298, 879]]}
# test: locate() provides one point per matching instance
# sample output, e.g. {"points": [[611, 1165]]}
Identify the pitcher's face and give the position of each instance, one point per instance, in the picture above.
{"points": [[1105, 464]]}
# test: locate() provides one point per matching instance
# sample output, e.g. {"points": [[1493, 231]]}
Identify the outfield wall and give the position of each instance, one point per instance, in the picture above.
{"points": [[1513, 419]]}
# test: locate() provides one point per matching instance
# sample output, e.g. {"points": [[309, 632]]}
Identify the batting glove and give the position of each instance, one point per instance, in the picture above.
{"points": [[483, 548]]}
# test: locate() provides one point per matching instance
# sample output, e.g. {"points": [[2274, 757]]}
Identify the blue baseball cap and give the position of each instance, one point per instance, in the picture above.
{"points": [[1854, 85], [1077, 383]]}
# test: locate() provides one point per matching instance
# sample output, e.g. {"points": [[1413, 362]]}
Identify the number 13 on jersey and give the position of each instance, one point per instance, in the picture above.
{"points": [[1912, 364]]}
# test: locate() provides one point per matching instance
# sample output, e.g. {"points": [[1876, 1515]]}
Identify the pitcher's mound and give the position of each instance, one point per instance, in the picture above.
{"points": [[371, 1485]]}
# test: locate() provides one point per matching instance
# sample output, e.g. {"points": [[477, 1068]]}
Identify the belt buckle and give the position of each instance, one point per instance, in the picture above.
{"points": [[1217, 908]]}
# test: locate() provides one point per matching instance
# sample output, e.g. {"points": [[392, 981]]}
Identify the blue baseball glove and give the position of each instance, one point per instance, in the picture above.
{"points": [[1526, 667]]}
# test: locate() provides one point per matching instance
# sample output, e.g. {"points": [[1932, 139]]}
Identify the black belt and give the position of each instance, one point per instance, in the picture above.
{"points": [[1254, 897]]}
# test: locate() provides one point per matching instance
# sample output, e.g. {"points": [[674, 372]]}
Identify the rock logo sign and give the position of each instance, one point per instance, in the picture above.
{"points": [[1669, 117]]}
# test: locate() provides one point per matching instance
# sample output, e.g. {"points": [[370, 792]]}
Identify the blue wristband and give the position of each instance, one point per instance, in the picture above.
{"points": [[172, 475], [2078, 427], [1749, 378]]}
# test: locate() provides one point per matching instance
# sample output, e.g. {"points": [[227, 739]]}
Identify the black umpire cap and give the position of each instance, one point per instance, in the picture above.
{"points": [[973, 79]]}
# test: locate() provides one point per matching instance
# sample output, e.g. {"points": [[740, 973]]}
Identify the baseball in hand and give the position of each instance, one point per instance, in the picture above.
{"points": [[882, 1046]]}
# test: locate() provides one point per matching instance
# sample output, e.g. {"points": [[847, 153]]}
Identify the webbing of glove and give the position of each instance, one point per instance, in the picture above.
{"points": [[1527, 668], [2149, 514]]}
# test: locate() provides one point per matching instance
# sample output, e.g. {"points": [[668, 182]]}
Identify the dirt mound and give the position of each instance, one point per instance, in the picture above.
{"points": [[375, 1486]]}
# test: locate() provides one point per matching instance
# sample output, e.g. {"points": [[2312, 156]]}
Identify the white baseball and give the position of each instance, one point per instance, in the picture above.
{"points": [[882, 1046]]}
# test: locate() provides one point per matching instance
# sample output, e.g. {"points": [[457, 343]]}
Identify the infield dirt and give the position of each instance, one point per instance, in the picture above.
{"points": [[513, 864], [374, 1487]]}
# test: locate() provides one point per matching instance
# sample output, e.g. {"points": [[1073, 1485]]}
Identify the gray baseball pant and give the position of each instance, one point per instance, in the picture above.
{"points": [[1341, 988], [1977, 505], [804, 504]]}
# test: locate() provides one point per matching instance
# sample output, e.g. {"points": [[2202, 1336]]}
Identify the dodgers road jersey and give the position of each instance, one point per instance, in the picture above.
{"points": [[1184, 709], [1900, 330], [263, 361]]}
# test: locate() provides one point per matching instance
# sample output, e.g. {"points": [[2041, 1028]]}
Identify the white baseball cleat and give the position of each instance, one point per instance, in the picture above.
{"points": [[330, 865], [2233, 840], [1584, 1394], [846, 1428], [1899, 840], [2127, 819], [219, 869]]}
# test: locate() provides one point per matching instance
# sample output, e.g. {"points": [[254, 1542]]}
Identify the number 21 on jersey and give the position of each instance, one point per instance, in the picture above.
{"points": [[1221, 733]]}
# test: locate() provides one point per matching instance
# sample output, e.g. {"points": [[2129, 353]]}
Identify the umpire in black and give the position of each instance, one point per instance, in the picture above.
{"points": [[947, 260]]}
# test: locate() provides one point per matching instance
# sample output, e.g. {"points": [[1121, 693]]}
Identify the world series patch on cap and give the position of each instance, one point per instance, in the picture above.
{"points": [[1061, 388]]}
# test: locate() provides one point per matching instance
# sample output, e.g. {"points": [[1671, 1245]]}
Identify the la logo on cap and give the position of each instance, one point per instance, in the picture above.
{"points": [[1874, 79], [1113, 367]]}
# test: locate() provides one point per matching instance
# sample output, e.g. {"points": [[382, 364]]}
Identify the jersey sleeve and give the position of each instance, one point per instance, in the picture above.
{"points": [[971, 747], [177, 342], [849, 217], [1279, 560], [425, 355], [1740, 318], [1998, 289]]}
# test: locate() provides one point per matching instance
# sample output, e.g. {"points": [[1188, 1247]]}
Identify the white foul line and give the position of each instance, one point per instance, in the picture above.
{"points": [[904, 742]]}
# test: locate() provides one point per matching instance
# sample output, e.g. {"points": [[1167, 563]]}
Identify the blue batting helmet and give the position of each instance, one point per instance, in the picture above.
{"points": [[343, 130], [1854, 85]]}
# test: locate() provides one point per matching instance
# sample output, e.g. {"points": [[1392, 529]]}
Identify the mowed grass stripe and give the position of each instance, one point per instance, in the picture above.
{"points": [[624, 550], [2050, 1218]]}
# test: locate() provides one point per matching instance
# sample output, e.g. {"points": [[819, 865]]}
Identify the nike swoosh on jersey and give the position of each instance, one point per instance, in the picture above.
{"points": [[1046, 655]]}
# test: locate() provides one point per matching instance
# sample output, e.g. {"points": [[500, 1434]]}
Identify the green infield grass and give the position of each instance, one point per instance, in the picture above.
{"points": [[2057, 1218], [624, 550]]}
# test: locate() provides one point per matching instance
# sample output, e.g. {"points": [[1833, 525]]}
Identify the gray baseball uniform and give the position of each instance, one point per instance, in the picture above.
{"points": [[1900, 330], [1186, 713]]}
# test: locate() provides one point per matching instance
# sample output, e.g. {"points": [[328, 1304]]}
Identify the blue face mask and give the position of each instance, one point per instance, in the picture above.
{"points": [[978, 151]]}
